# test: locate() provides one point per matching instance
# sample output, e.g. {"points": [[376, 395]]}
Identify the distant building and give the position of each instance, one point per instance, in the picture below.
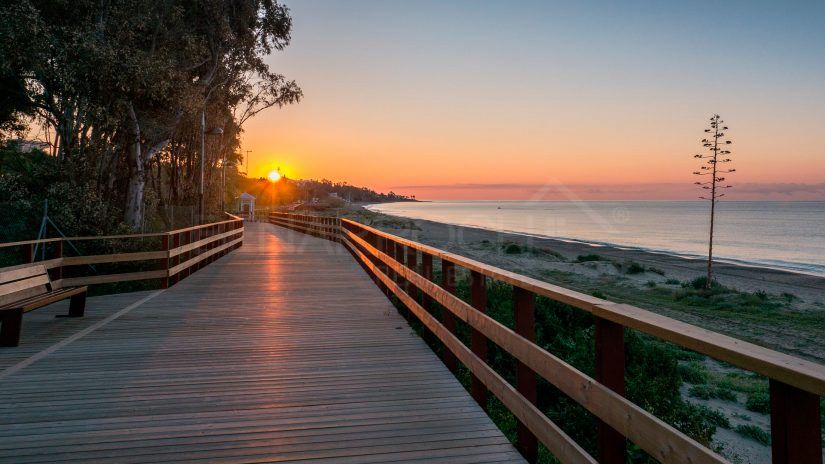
{"points": [[28, 146], [246, 206]]}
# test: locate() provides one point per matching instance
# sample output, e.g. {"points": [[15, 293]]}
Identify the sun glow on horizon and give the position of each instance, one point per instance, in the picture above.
{"points": [[274, 176]]}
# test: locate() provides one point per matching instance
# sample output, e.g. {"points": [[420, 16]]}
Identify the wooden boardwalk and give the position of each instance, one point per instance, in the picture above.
{"points": [[282, 351]]}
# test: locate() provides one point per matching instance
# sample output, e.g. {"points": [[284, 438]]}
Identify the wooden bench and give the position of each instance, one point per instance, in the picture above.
{"points": [[26, 289]]}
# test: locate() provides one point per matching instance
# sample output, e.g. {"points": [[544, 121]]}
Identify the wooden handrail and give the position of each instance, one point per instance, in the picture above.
{"points": [[651, 434], [30, 242], [550, 434], [198, 245], [794, 371], [119, 237], [796, 384]]}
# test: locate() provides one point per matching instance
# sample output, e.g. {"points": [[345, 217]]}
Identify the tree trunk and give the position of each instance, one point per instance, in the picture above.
{"points": [[137, 158], [133, 214]]}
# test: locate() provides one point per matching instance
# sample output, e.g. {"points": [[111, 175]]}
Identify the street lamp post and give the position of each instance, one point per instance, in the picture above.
{"points": [[203, 158]]}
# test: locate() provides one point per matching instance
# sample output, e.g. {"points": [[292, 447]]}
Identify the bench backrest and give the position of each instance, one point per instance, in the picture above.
{"points": [[23, 283]]}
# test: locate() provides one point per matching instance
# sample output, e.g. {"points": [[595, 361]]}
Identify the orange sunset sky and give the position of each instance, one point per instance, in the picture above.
{"points": [[481, 100]]}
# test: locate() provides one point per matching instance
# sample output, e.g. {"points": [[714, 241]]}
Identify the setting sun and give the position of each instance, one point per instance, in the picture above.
{"points": [[274, 176]]}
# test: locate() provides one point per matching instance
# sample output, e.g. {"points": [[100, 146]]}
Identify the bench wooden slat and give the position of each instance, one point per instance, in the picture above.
{"points": [[17, 303], [10, 300], [21, 273], [41, 299], [53, 297], [24, 284]]}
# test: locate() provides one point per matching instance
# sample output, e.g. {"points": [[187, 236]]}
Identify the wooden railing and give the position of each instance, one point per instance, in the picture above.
{"points": [[180, 252], [319, 226], [404, 268]]}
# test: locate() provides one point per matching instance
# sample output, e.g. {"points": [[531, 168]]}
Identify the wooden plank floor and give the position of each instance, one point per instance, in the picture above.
{"points": [[282, 351]]}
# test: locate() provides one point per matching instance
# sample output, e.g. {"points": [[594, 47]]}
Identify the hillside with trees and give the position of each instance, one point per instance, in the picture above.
{"points": [[291, 192]]}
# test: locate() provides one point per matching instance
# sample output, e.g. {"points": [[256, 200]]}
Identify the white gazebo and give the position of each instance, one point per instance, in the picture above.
{"points": [[246, 206]]}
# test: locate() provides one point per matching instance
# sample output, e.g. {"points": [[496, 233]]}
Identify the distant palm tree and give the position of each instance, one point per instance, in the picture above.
{"points": [[716, 159]]}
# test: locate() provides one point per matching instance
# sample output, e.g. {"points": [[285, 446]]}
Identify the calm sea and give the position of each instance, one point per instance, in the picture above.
{"points": [[786, 235]]}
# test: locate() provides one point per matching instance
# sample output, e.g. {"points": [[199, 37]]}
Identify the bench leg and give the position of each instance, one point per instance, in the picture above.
{"points": [[11, 322], [77, 305]]}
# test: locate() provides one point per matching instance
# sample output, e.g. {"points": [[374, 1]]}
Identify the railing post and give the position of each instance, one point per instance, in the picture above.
{"points": [[220, 229], [28, 252], [210, 232], [393, 252], [795, 425], [525, 325], [372, 240], [176, 242], [58, 254], [389, 250], [164, 244], [190, 254], [412, 264], [213, 231], [427, 272], [225, 229], [610, 370], [448, 283], [199, 249], [478, 342], [379, 244], [399, 258]]}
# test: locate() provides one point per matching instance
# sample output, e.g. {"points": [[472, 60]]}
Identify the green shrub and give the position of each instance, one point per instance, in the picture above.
{"points": [[761, 294], [512, 249], [702, 392], [759, 402], [672, 282], [548, 252], [706, 392], [650, 284], [78, 208], [725, 394], [694, 372], [754, 433], [656, 270], [687, 355], [745, 382], [652, 368], [789, 296], [588, 257], [715, 417], [700, 283], [634, 268]]}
